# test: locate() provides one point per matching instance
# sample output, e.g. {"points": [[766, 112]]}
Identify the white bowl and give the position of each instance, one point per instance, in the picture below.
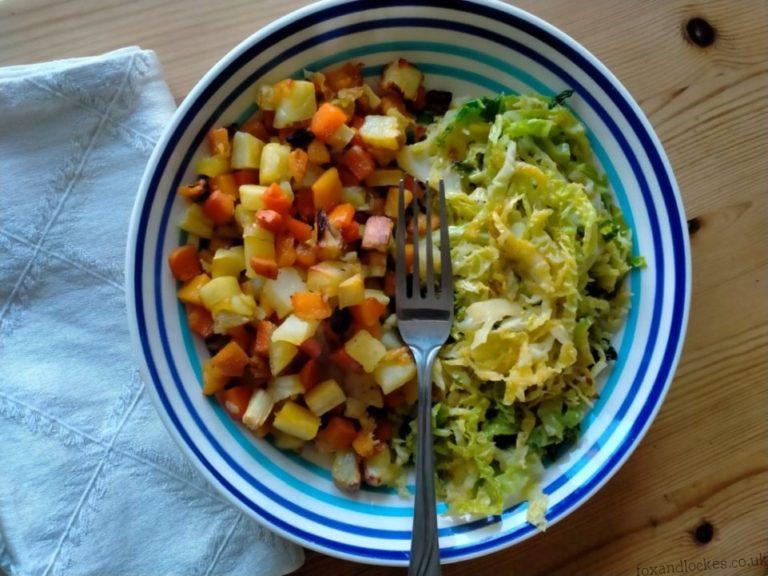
{"points": [[472, 48]]}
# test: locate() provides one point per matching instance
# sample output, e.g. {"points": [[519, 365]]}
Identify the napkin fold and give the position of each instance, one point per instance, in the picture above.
{"points": [[90, 481]]}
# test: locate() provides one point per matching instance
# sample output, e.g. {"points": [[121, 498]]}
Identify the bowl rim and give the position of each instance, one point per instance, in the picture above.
{"points": [[194, 95]]}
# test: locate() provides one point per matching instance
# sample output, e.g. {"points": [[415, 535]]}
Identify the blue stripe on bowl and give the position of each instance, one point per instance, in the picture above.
{"points": [[678, 239]]}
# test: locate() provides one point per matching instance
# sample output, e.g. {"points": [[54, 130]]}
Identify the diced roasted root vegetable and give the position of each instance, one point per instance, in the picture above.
{"points": [[354, 408], [345, 362], [326, 191], [378, 233], [219, 207], [297, 421], [294, 330], [365, 349], [196, 222], [285, 441], [212, 166], [227, 184], [235, 400], [262, 247], [280, 355], [324, 397], [356, 196], [199, 320], [294, 102], [402, 76], [394, 370], [364, 443], [218, 141], [351, 291], [299, 230], [259, 408], [213, 379], [274, 165], [346, 471], [310, 306], [263, 338], [284, 387], [246, 151], [391, 207], [278, 198], [378, 468], [377, 265], [193, 191], [231, 360], [190, 292], [363, 388], [384, 177], [184, 263], [310, 374], [343, 136], [338, 434], [317, 153], [228, 262], [382, 132], [251, 198], [380, 297], [218, 290], [327, 120], [347, 75], [325, 277], [277, 293]]}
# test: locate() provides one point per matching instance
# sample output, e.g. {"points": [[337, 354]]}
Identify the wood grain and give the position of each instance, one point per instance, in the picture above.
{"points": [[704, 458]]}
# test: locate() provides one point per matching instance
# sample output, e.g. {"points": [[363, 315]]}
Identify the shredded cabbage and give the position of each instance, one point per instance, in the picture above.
{"points": [[539, 252]]}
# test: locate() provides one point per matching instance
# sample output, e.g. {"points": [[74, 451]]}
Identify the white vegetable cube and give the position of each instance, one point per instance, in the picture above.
{"points": [[277, 293], [284, 387], [394, 370], [324, 397], [251, 198], [325, 277], [365, 349], [346, 471], [196, 222], [403, 76], [243, 216], [274, 163], [240, 304], [280, 355], [294, 330], [295, 101], [218, 290], [351, 291], [228, 262], [297, 421], [341, 137], [259, 408], [246, 151], [381, 132], [378, 468]]}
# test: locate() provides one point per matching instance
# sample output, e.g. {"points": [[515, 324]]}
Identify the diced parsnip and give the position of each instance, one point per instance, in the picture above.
{"points": [[259, 408], [325, 277], [218, 290], [277, 293], [354, 408], [228, 262], [324, 397], [280, 355], [346, 471], [356, 196], [285, 441], [382, 132], [402, 76], [351, 291], [212, 166], [295, 330], [246, 151], [295, 102], [378, 468], [385, 177], [377, 294], [365, 349], [251, 198], [394, 370], [377, 264], [297, 421], [243, 216], [274, 165], [341, 137], [197, 223], [284, 387], [258, 248], [189, 293]]}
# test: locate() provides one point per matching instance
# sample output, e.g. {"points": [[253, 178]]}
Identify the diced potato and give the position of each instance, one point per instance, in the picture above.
{"points": [[251, 198], [391, 206], [259, 408], [366, 349], [274, 165], [246, 151], [212, 166], [325, 277], [310, 177], [377, 265], [295, 330], [240, 304], [364, 443], [258, 232], [378, 468], [189, 293], [228, 262], [378, 295], [385, 177], [382, 132], [284, 387], [295, 101], [372, 99], [394, 370], [341, 137], [402, 76], [243, 216], [256, 247], [356, 196], [391, 339], [224, 321], [324, 397], [346, 471], [265, 97], [351, 291], [197, 223], [218, 290], [277, 293], [363, 387], [297, 421], [383, 157], [354, 408], [280, 355], [285, 441]]}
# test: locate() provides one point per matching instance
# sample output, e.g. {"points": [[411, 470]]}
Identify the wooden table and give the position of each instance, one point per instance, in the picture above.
{"points": [[697, 487]]}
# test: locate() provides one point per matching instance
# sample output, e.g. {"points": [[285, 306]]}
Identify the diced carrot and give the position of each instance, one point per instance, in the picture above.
{"points": [[213, 379], [342, 215], [193, 191], [326, 191], [395, 399], [304, 204], [359, 161], [351, 232], [276, 199], [384, 430], [199, 320], [309, 375], [344, 361], [227, 184], [317, 153], [255, 127], [259, 369], [231, 360], [270, 220], [347, 75], [306, 255], [219, 207], [185, 263], [389, 283], [298, 160], [264, 267], [311, 347], [347, 178], [264, 331], [218, 142], [245, 177], [299, 230], [364, 444], [310, 306], [285, 251], [369, 312], [235, 401], [327, 120], [241, 335], [338, 434]]}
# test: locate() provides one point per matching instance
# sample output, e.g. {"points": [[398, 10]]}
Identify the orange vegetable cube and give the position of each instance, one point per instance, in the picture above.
{"points": [[326, 121], [218, 142], [306, 255], [241, 335], [185, 263], [235, 401], [364, 444], [351, 232], [345, 362], [311, 347], [359, 161], [245, 177], [342, 215], [255, 127], [285, 251], [231, 360], [264, 331], [310, 374], [227, 184], [298, 160], [299, 230], [270, 220], [326, 191], [219, 207], [317, 153], [193, 191], [276, 199], [310, 306], [213, 379], [338, 434], [199, 320], [264, 267]]}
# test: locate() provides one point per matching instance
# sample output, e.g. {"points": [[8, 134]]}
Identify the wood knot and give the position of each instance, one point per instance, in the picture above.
{"points": [[700, 32], [694, 225], [704, 532]]}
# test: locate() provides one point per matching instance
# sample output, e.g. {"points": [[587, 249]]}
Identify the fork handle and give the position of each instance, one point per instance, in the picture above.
{"points": [[425, 548]]}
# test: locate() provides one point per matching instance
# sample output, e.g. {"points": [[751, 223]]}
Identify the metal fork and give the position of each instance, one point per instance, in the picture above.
{"points": [[424, 316]]}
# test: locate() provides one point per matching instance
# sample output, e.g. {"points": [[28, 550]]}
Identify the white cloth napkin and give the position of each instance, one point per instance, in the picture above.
{"points": [[90, 481]]}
